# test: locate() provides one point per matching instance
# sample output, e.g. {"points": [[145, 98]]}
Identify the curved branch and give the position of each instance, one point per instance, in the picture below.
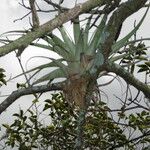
{"points": [[115, 22], [129, 78], [27, 91], [25, 40]]}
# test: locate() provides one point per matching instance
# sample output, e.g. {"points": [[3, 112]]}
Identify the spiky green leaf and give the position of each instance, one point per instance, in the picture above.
{"points": [[48, 47], [67, 40], [96, 38], [39, 68], [86, 34], [56, 41], [123, 41], [79, 46], [58, 73], [61, 65], [76, 29], [59, 47]]}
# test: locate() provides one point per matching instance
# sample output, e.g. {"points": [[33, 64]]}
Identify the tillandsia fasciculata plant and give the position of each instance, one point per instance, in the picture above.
{"points": [[81, 57], [92, 52]]}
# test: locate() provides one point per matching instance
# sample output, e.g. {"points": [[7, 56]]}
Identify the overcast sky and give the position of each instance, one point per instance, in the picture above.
{"points": [[9, 11]]}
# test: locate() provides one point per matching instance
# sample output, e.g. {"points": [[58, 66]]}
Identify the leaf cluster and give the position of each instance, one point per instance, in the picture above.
{"points": [[133, 55], [100, 130]]}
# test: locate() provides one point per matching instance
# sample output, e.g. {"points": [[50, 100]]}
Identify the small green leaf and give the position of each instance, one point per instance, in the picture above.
{"points": [[16, 115], [47, 106], [147, 63], [21, 85], [2, 70], [35, 101], [6, 126]]}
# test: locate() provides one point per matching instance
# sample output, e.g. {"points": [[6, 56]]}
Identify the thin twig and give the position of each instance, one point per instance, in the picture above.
{"points": [[35, 18], [22, 17]]}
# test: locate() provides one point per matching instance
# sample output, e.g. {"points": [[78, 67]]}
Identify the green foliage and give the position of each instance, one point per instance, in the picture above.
{"points": [[21, 85], [23, 133], [134, 55], [100, 130], [145, 67]]}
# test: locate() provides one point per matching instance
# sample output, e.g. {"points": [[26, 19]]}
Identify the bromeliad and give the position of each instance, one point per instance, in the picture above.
{"points": [[81, 57]]}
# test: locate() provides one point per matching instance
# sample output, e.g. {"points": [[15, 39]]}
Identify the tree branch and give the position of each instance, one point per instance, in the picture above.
{"points": [[35, 18], [27, 91], [129, 78], [118, 17], [25, 40]]}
